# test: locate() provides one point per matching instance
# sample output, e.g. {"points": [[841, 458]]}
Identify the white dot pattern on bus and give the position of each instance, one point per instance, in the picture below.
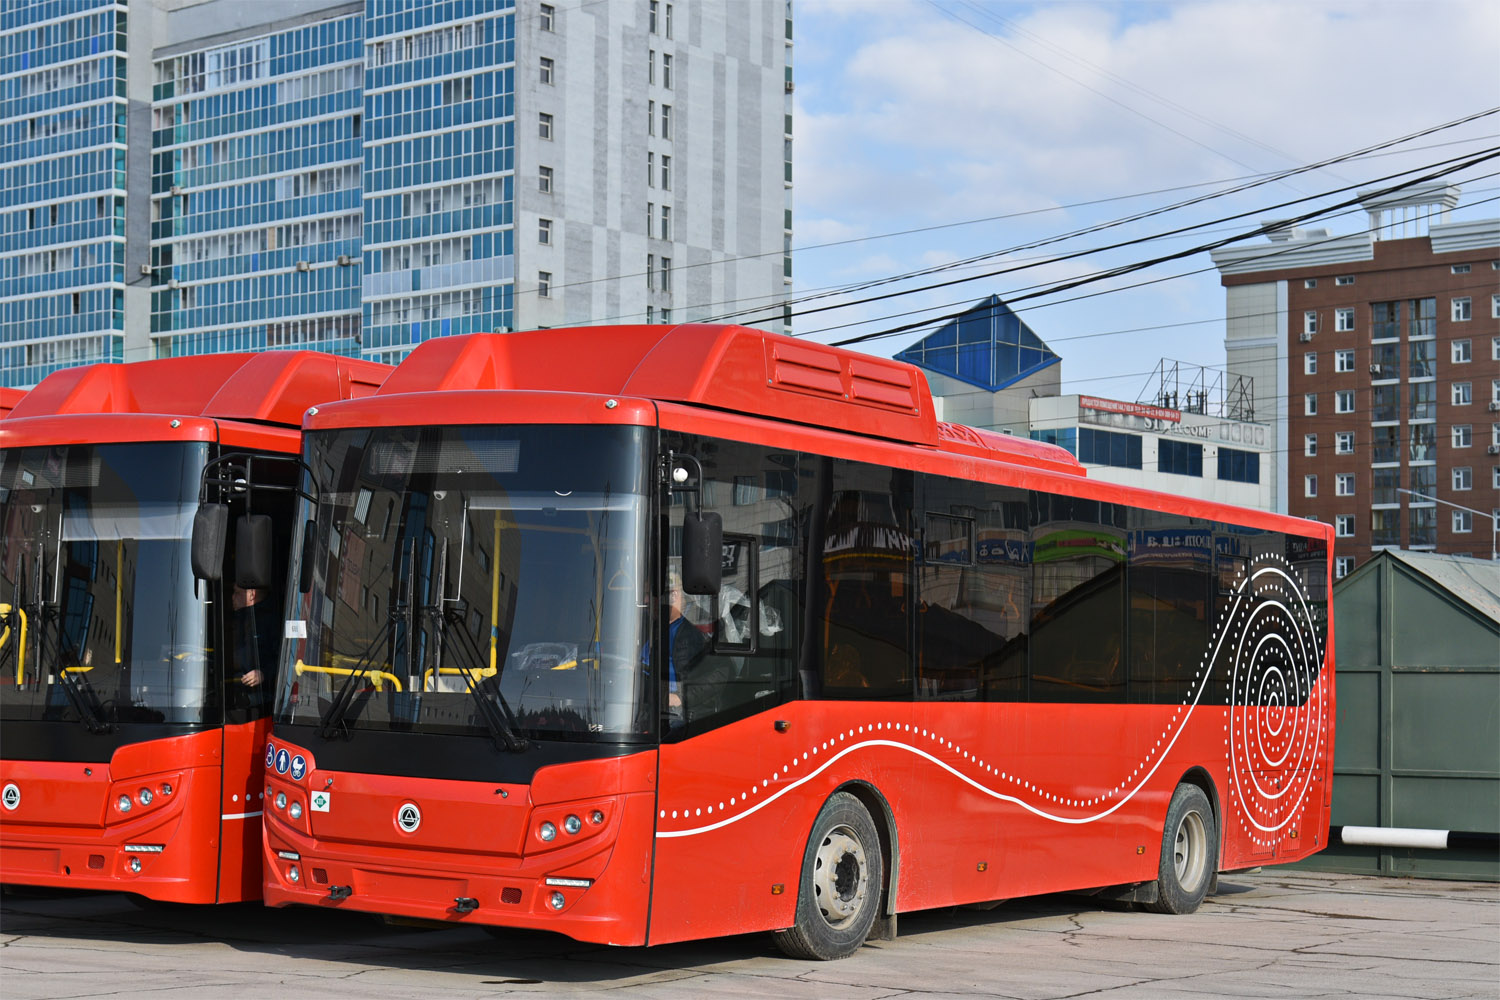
{"points": [[1273, 690]]}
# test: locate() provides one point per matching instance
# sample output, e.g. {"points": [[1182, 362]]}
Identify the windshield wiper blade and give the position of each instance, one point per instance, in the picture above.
{"points": [[330, 725], [497, 716], [85, 700]]}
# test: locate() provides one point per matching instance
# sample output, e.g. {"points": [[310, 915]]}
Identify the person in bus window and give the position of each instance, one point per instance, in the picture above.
{"points": [[686, 647], [254, 643]]}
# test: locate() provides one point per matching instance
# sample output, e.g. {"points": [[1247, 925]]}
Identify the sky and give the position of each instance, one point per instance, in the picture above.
{"points": [[928, 132]]}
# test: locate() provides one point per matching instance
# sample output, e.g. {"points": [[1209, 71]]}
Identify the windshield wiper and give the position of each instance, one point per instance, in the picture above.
{"points": [[496, 714], [331, 724], [74, 683]]}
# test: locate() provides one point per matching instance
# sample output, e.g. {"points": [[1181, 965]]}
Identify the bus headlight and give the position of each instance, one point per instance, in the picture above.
{"points": [[295, 810], [546, 831], [166, 789], [145, 796], [293, 875], [123, 804], [557, 901], [281, 800], [572, 824]]}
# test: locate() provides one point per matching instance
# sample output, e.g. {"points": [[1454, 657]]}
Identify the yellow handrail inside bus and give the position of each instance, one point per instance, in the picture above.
{"points": [[481, 673], [378, 676], [5, 610]]}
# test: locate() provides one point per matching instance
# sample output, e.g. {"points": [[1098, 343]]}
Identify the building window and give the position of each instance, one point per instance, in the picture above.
{"points": [[1310, 404], [650, 117], [1343, 401], [1343, 443], [1344, 279], [1343, 484], [1463, 351], [666, 313], [669, 29], [544, 231], [666, 70], [1463, 522], [1310, 322], [666, 274], [547, 18], [547, 71], [1461, 269], [651, 170], [1343, 525], [1309, 486], [544, 284], [666, 172], [1342, 566], [650, 315], [1343, 320], [1310, 363], [666, 222], [544, 180], [1463, 478], [666, 124], [1238, 466], [544, 125], [651, 66], [1463, 393], [650, 272], [653, 13], [1309, 282], [1463, 435], [1462, 309], [1179, 457], [1109, 448], [1310, 445], [1343, 361]]}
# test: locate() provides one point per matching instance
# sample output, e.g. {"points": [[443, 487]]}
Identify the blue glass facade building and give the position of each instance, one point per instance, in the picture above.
{"points": [[256, 193], [348, 175], [439, 162], [62, 185], [986, 346]]}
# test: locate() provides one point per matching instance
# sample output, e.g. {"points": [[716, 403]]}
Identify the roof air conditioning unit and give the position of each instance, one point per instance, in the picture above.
{"points": [[303, 265], [345, 260], [1306, 338]]}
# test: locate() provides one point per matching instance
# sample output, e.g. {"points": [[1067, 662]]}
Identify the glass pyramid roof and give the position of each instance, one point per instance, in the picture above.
{"points": [[987, 346]]}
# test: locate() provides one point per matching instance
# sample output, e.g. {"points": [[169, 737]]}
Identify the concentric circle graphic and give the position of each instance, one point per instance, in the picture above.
{"points": [[1277, 714]]}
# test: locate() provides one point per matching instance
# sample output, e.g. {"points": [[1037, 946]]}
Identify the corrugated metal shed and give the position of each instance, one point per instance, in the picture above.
{"points": [[1418, 742]]}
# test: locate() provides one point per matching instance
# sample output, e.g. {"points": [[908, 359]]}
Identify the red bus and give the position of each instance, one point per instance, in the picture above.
{"points": [[134, 711], [645, 634]]}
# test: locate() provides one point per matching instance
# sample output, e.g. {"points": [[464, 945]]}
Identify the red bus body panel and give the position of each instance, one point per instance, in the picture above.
{"points": [[977, 801], [65, 831]]}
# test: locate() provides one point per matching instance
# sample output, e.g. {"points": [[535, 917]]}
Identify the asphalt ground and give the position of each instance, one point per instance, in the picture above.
{"points": [[1275, 933]]}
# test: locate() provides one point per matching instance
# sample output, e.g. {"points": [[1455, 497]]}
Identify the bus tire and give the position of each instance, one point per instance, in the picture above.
{"points": [[1189, 847], [841, 885]]}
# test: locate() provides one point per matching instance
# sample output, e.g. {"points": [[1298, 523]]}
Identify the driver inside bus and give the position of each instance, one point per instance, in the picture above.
{"points": [[686, 647]]}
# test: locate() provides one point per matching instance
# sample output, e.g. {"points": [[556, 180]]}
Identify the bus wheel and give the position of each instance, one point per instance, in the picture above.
{"points": [[1189, 845], [842, 879]]}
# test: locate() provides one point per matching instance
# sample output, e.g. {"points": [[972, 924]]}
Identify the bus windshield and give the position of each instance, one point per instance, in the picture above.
{"points": [[484, 581], [98, 621]]}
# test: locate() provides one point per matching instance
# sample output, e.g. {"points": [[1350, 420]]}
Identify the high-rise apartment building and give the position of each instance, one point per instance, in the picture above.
{"points": [[362, 176], [1376, 357]]}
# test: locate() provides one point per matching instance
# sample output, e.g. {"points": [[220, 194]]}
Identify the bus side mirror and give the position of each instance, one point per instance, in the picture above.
{"points": [[309, 549], [252, 552], [702, 552], [210, 526]]}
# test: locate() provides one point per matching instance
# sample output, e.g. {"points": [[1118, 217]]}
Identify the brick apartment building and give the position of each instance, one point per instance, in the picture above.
{"points": [[1377, 359]]}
